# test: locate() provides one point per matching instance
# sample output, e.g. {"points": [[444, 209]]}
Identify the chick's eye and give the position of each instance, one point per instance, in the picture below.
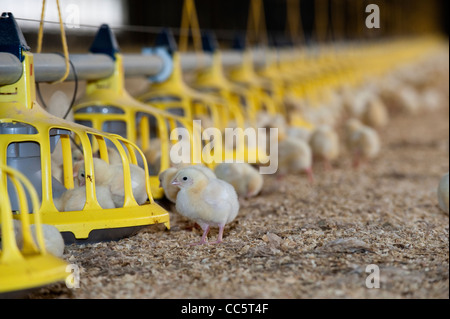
{"points": [[185, 178], [82, 174]]}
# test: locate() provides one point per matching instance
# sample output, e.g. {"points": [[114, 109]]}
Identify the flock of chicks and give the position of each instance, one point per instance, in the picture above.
{"points": [[211, 198], [360, 112]]}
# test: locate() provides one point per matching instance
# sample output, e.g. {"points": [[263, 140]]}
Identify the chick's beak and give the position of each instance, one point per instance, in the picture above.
{"points": [[176, 182]]}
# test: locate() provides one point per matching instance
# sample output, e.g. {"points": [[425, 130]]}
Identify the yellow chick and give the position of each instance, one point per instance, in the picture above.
{"points": [[375, 114], [210, 202], [59, 104], [165, 181], [53, 240], [58, 161], [443, 194], [114, 156], [111, 176], [354, 101], [362, 141], [166, 178], [245, 179], [409, 99], [294, 157], [324, 144], [75, 199]]}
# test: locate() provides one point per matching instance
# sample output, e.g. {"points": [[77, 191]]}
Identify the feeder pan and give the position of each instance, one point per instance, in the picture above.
{"points": [[24, 263], [28, 135]]}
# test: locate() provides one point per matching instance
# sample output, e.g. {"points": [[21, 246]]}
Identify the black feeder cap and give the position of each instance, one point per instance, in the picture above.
{"points": [[105, 42]]}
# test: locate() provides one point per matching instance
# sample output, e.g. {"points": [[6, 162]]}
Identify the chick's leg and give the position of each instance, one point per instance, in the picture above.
{"points": [[220, 238], [357, 160], [327, 165], [310, 174], [205, 235]]}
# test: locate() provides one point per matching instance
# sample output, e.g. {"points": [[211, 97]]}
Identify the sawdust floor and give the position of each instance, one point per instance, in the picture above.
{"points": [[299, 241]]}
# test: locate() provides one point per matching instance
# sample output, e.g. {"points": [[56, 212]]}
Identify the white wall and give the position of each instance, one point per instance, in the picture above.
{"points": [[74, 13]]}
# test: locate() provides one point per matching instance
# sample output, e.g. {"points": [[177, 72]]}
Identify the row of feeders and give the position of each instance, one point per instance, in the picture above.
{"points": [[218, 111], [124, 135]]}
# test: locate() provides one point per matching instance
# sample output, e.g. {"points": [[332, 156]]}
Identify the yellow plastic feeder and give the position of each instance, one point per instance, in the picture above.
{"points": [[28, 135], [213, 81], [24, 263], [173, 94], [267, 95], [240, 101], [107, 106]]}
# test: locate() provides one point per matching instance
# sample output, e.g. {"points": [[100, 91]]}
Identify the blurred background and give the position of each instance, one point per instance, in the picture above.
{"points": [[137, 22]]}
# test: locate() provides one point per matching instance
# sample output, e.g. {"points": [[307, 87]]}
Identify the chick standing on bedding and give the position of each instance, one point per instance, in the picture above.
{"points": [[294, 157], [362, 141], [166, 178], [443, 194], [375, 114], [245, 179], [324, 144], [111, 176], [210, 202]]}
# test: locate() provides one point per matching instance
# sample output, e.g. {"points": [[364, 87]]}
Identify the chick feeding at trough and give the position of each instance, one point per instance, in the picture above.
{"points": [[210, 202], [75, 199], [112, 176]]}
